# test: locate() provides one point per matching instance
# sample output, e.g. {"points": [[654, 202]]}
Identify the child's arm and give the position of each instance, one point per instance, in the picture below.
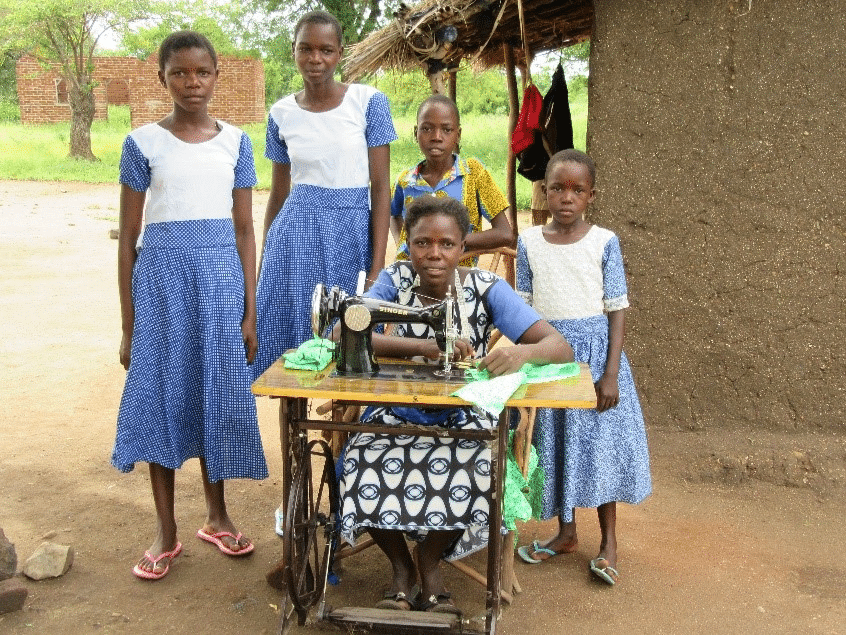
{"points": [[607, 390], [396, 228], [540, 344], [493, 206], [245, 242], [499, 235], [380, 207], [131, 214]]}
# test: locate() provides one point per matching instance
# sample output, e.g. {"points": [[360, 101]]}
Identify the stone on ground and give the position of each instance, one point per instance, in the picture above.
{"points": [[50, 560], [12, 596], [8, 557]]}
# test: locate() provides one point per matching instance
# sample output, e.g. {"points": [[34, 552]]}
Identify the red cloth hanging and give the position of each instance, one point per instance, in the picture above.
{"points": [[528, 121]]}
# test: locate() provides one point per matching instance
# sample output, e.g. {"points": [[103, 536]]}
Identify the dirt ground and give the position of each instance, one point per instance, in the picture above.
{"points": [[742, 534]]}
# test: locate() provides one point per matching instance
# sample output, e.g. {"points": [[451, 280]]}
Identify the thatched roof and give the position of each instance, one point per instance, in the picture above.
{"points": [[480, 27]]}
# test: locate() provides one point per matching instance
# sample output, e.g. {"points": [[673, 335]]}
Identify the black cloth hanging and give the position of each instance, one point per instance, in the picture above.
{"points": [[556, 131]]}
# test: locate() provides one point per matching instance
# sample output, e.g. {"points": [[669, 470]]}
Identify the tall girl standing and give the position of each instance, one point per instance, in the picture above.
{"points": [[328, 143], [573, 272], [187, 295]]}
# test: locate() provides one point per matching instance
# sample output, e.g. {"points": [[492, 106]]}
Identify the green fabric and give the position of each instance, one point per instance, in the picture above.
{"points": [[535, 373], [313, 354], [491, 394], [522, 495]]}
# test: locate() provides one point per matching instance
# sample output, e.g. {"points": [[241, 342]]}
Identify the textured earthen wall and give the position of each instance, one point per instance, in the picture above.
{"points": [[239, 95], [720, 142]]}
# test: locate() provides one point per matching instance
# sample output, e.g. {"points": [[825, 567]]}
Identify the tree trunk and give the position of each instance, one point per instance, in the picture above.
{"points": [[82, 115]]}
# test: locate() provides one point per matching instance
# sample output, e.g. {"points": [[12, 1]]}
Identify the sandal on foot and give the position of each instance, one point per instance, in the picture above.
{"points": [[395, 602], [607, 574], [152, 575], [438, 603], [526, 550], [217, 540]]}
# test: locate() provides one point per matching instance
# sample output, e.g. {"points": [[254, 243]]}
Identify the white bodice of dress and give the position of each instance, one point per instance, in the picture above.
{"points": [[188, 181], [327, 149], [567, 280]]}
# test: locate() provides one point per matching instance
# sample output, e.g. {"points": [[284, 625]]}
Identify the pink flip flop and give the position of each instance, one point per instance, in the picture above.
{"points": [[152, 575], [216, 539]]}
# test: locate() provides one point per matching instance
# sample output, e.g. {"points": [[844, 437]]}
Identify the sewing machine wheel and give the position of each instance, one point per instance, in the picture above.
{"points": [[310, 524]]}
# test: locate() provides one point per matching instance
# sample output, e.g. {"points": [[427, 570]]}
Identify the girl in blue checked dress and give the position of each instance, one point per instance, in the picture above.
{"points": [[187, 293], [329, 206], [573, 274]]}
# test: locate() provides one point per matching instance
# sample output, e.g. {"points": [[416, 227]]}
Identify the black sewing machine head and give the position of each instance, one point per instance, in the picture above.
{"points": [[358, 315]]}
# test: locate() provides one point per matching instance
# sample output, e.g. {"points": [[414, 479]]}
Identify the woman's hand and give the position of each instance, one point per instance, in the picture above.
{"points": [[125, 350], [462, 349], [248, 334], [607, 392], [505, 359]]}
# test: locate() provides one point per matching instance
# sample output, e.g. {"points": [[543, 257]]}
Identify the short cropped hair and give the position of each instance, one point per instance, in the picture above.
{"points": [[184, 40], [440, 99], [320, 17], [572, 156], [431, 205]]}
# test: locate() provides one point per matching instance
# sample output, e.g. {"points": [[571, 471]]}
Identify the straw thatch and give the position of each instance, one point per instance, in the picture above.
{"points": [[416, 35]]}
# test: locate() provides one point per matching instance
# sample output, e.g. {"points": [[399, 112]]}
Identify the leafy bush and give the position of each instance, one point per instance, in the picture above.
{"points": [[9, 110]]}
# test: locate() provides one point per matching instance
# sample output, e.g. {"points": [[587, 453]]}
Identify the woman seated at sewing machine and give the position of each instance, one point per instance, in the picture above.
{"points": [[436, 488]]}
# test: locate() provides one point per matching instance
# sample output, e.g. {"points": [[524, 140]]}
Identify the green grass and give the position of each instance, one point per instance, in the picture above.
{"points": [[40, 152]]}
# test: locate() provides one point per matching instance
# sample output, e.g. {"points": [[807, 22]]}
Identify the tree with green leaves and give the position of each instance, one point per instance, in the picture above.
{"points": [[65, 33], [358, 17]]}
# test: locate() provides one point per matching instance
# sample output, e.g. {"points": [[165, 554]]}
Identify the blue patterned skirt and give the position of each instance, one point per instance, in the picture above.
{"points": [[320, 235], [187, 391], [590, 458], [417, 484]]}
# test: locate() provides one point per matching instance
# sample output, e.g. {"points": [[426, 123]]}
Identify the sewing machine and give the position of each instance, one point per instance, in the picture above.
{"points": [[358, 315]]}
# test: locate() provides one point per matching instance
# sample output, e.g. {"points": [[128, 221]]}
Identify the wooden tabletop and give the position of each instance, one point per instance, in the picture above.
{"points": [[278, 381]]}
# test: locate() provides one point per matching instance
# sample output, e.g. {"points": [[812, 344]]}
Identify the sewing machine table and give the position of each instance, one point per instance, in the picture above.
{"points": [[306, 579]]}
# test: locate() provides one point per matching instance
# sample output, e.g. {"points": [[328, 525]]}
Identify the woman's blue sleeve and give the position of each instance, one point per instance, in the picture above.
{"points": [[245, 168], [134, 166], [509, 313], [380, 126], [613, 271], [384, 288], [275, 148]]}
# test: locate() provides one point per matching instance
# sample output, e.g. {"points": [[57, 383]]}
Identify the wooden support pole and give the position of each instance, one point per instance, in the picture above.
{"points": [[453, 85], [513, 112], [511, 163]]}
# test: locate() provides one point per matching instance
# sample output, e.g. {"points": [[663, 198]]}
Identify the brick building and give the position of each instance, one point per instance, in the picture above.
{"points": [[43, 98]]}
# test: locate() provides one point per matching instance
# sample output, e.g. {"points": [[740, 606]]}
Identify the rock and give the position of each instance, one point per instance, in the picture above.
{"points": [[50, 560], [12, 596], [114, 234], [8, 558]]}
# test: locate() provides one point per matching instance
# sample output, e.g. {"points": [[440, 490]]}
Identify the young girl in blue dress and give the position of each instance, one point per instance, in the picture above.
{"points": [[187, 294], [572, 272], [329, 207]]}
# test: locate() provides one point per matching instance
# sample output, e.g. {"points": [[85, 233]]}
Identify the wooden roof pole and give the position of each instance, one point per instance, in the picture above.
{"points": [[513, 112], [511, 162]]}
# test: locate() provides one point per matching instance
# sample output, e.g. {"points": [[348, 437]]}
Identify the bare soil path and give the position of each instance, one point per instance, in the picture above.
{"points": [[714, 550]]}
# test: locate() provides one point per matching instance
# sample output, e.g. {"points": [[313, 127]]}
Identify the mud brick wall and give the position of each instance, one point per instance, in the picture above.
{"points": [[239, 95], [720, 143]]}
